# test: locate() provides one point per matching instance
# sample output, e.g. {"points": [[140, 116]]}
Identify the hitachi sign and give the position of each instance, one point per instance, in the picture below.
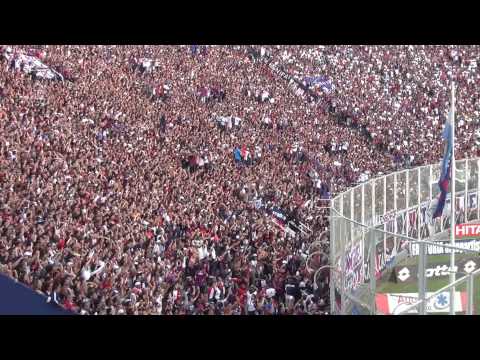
{"points": [[467, 230]]}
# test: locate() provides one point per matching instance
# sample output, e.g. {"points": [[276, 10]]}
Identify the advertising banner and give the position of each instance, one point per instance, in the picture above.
{"points": [[409, 273], [467, 231], [440, 250], [393, 304]]}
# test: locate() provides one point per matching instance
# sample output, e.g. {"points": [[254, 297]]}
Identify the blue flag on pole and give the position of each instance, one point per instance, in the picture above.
{"points": [[445, 174], [447, 135]]}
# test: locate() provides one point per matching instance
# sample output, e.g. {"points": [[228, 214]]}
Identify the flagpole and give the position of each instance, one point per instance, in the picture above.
{"points": [[452, 204]]}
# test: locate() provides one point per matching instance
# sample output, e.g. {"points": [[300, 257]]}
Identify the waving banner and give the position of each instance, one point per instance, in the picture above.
{"points": [[30, 64]]}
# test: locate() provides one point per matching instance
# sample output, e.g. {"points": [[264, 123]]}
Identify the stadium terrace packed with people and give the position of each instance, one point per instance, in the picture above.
{"points": [[194, 179]]}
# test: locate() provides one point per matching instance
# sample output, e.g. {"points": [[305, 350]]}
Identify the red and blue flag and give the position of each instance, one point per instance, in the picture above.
{"points": [[444, 180]]}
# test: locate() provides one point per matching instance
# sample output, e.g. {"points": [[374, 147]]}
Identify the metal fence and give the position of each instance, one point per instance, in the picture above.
{"points": [[377, 224], [470, 301]]}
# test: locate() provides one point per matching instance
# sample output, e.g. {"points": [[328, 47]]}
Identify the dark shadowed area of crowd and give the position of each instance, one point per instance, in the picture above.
{"points": [[163, 179]]}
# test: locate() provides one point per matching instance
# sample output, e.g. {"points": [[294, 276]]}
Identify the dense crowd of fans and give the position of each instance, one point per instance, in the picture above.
{"points": [[149, 179]]}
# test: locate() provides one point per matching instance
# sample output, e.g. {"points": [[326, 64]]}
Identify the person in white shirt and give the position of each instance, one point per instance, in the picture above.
{"points": [[251, 306]]}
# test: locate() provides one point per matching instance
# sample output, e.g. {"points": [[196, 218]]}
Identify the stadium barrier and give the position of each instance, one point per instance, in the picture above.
{"points": [[377, 224]]}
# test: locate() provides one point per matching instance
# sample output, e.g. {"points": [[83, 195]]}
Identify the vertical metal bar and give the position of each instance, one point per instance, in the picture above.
{"points": [[430, 194], [352, 215], [342, 258], [422, 285], [421, 277], [395, 191], [373, 203], [373, 280], [371, 238], [419, 210], [363, 203], [333, 234], [384, 212], [407, 201], [470, 292], [453, 202], [395, 227], [363, 232], [478, 188], [465, 203]]}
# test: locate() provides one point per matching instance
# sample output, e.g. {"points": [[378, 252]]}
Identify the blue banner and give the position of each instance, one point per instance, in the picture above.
{"points": [[444, 180], [18, 299]]}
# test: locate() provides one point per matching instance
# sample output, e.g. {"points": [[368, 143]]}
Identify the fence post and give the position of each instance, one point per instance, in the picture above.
{"points": [[395, 226], [421, 278], [421, 268], [373, 202], [352, 215], [373, 279], [363, 203], [384, 212], [342, 258], [470, 292], [333, 233], [430, 190], [407, 202], [465, 195], [478, 188]]}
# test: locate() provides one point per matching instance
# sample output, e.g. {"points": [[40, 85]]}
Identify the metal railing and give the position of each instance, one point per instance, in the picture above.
{"points": [[374, 222]]}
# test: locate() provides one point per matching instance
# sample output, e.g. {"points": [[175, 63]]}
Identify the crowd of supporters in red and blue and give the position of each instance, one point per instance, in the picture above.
{"points": [[194, 179]]}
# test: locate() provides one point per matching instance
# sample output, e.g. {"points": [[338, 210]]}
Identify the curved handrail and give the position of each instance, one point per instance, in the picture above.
{"points": [[405, 237], [374, 180]]}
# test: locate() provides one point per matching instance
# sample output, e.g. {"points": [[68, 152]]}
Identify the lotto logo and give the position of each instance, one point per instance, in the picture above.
{"points": [[404, 274]]}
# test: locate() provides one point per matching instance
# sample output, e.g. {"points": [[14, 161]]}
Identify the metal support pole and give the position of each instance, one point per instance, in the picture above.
{"points": [[421, 277], [372, 239], [407, 201], [395, 228], [478, 189], [422, 285], [373, 279], [419, 210], [395, 191], [373, 202], [342, 259], [470, 292], [395, 223], [384, 212], [352, 216], [333, 304], [453, 203], [465, 202], [430, 195], [333, 234], [363, 204], [363, 232]]}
